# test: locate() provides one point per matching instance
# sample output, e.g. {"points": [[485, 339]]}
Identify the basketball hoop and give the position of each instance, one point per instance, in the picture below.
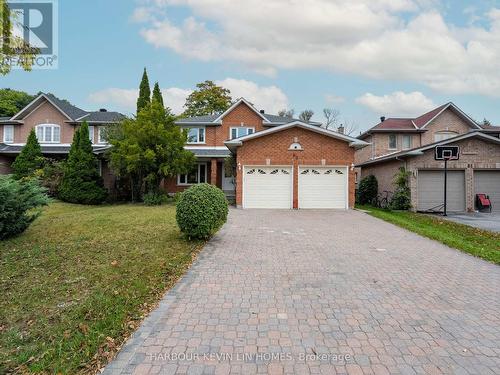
{"points": [[446, 153]]}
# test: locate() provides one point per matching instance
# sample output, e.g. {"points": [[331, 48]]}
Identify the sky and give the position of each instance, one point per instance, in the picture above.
{"points": [[365, 58]]}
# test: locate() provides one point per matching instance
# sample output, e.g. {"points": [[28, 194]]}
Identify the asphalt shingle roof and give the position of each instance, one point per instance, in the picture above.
{"points": [[68, 108], [99, 116], [210, 152]]}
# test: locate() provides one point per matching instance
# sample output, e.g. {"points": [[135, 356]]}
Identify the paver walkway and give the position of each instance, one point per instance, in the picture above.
{"points": [[355, 294]]}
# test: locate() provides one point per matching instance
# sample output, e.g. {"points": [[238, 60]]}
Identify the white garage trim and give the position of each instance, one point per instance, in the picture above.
{"points": [[244, 181], [344, 168]]}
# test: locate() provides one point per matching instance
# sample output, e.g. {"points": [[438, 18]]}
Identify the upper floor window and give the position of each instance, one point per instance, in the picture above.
{"points": [[8, 134], [441, 136], [196, 135], [48, 133], [406, 141], [101, 135], [91, 134], [393, 142], [241, 132]]}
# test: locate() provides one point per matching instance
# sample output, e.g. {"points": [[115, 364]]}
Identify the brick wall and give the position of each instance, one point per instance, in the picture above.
{"points": [[44, 114], [5, 164], [216, 135], [273, 150], [447, 121], [384, 173]]}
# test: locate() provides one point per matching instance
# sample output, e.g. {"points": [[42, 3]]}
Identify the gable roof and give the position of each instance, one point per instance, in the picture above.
{"points": [[71, 112], [267, 119], [353, 142], [419, 150], [236, 104], [418, 124]]}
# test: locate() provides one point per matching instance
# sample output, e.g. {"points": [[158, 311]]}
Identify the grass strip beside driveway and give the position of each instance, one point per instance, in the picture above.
{"points": [[81, 279], [474, 241]]}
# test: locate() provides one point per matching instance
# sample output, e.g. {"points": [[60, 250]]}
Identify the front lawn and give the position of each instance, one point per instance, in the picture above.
{"points": [[80, 279], [477, 242]]}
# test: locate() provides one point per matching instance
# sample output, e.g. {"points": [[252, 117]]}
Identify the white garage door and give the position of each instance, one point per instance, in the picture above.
{"points": [[267, 187], [488, 182], [323, 187]]}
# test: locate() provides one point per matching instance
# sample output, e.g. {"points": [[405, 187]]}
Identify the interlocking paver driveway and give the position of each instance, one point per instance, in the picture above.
{"points": [[358, 295]]}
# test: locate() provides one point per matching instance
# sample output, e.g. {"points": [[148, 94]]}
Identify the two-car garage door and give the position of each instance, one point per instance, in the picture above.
{"points": [[272, 187]]}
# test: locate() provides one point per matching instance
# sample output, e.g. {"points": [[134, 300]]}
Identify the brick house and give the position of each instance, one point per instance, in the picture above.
{"points": [[410, 143], [55, 122], [281, 162]]}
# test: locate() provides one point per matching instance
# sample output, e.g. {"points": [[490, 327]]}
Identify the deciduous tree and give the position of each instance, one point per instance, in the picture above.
{"points": [[207, 99], [306, 115], [148, 148], [12, 101], [12, 47]]}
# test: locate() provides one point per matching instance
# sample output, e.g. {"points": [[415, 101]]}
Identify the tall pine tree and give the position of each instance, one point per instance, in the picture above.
{"points": [[144, 98], [157, 94], [30, 159], [81, 182]]}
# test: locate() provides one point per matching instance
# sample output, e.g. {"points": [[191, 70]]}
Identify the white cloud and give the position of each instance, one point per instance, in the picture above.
{"points": [[397, 104], [334, 99], [125, 100], [269, 98], [382, 39]]}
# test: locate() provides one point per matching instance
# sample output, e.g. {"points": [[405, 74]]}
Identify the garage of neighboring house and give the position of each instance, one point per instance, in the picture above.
{"points": [[477, 171], [296, 165], [430, 187], [488, 182]]}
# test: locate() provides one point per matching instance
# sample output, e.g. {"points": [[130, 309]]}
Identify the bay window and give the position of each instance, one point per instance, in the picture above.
{"points": [[241, 132], [197, 176], [48, 133], [196, 135]]}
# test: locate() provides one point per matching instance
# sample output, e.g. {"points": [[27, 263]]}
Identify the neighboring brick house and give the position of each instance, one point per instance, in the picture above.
{"points": [[410, 143], [281, 162], [55, 122]]}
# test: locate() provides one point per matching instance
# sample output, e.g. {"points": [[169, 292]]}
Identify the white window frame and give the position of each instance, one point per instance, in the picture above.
{"points": [[198, 141], [410, 140], [389, 141], [240, 127], [5, 139], [448, 134], [91, 133], [99, 139], [179, 176], [43, 128]]}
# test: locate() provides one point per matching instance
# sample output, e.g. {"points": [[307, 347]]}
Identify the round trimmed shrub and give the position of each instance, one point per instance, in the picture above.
{"points": [[201, 211]]}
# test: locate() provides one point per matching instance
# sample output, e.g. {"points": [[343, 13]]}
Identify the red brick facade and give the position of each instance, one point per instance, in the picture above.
{"points": [[272, 149]]}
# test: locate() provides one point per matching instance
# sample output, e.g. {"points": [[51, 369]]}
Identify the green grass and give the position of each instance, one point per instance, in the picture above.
{"points": [[80, 279], [480, 243]]}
